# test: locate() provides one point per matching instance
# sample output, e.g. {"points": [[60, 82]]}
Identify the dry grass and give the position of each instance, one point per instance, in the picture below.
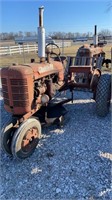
{"points": [[7, 43], [26, 57], [17, 58]]}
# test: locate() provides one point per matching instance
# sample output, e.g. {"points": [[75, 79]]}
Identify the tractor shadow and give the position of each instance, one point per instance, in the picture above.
{"points": [[80, 120]]}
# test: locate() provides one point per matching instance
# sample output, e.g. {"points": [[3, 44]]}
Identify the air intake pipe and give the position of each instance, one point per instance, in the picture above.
{"points": [[41, 36], [95, 38]]}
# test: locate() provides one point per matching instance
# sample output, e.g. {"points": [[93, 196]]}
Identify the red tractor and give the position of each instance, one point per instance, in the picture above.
{"points": [[30, 91]]}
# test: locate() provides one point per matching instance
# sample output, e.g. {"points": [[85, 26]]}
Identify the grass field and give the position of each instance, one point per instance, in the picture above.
{"points": [[26, 57]]}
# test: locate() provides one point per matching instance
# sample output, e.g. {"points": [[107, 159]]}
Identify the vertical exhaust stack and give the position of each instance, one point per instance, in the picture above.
{"points": [[95, 40], [41, 36]]}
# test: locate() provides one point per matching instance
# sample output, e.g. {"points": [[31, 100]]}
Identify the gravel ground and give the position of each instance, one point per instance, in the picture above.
{"points": [[70, 163]]}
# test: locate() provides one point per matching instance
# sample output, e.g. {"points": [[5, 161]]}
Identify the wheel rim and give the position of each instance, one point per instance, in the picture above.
{"points": [[30, 140]]}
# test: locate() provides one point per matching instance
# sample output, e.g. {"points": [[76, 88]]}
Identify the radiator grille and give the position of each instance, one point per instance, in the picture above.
{"points": [[18, 81], [18, 92], [18, 97]]}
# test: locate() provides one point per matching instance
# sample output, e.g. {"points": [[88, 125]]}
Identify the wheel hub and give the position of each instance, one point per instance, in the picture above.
{"points": [[30, 139]]}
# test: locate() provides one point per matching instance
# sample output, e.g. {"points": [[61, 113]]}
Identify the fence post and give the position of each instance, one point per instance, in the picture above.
{"points": [[9, 49], [63, 46], [28, 47], [19, 48], [35, 48], [23, 53]]}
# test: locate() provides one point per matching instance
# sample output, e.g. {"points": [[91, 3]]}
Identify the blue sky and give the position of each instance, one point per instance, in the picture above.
{"points": [[60, 15]]}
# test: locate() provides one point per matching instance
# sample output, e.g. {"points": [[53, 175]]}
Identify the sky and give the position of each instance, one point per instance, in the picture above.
{"points": [[60, 15]]}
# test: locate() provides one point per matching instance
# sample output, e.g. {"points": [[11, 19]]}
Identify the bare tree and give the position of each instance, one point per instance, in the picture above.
{"points": [[105, 32]]}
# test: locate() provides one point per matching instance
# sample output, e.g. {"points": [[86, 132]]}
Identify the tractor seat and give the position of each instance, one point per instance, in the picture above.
{"points": [[82, 61]]}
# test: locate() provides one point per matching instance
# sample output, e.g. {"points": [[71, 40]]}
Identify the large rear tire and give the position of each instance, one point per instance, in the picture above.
{"points": [[103, 95], [26, 138]]}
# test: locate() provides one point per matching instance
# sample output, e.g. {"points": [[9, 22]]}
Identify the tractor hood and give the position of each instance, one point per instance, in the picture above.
{"points": [[89, 50], [37, 70]]}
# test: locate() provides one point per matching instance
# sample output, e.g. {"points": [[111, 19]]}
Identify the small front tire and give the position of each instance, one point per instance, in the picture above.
{"points": [[6, 136], [26, 138]]}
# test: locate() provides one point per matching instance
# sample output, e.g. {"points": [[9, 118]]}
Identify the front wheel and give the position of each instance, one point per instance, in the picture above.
{"points": [[103, 95], [6, 135], [26, 138]]}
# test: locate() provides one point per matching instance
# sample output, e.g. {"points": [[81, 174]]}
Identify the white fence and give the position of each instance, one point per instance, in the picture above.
{"points": [[19, 49]]}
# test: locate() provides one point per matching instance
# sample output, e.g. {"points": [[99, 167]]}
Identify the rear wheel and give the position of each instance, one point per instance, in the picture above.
{"points": [[103, 95], [26, 138]]}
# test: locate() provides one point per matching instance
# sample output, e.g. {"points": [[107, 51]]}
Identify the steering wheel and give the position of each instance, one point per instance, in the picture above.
{"points": [[50, 50]]}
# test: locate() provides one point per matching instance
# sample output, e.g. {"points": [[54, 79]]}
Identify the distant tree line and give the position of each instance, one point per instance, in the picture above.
{"points": [[12, 35], [69, 35], [54, 35]]}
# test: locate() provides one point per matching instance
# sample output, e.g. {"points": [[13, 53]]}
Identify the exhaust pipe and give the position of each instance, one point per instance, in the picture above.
{"points": [[95, 38], [41, 36]]}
